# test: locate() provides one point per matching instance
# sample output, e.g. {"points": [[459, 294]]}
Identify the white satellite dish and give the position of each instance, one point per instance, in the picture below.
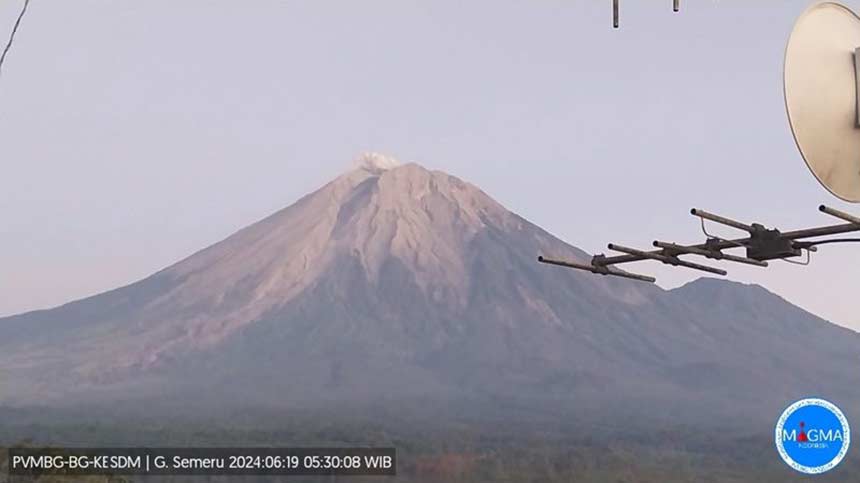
{"points": [[821, 84]]}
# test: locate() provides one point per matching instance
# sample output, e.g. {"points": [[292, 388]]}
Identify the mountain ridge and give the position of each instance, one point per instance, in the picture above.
{"points": [[394, 281]]}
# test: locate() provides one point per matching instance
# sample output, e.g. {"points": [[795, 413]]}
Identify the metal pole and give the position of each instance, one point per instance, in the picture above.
{"points": [[676, 5], [840, 214], [856, 88], [721, 220], [597, 270], [675, 261], [714, 255], [823, 231], [615, 13]]}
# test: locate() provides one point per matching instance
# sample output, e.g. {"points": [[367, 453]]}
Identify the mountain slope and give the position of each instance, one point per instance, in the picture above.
{"points": [[394, 283]]}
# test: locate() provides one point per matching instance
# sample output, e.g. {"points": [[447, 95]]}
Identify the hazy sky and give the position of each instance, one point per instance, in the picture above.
{"points": [[135, 133]]}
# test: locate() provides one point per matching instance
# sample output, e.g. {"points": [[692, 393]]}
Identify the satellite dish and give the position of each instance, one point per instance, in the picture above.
{"points": [[821, 95]]}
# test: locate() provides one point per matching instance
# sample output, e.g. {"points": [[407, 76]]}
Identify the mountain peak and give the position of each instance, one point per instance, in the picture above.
{"points": [[394, 282], [383, 243], [375, 162]]}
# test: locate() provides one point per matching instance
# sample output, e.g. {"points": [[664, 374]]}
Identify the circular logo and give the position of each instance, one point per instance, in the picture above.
{"points": [[812, 436]]}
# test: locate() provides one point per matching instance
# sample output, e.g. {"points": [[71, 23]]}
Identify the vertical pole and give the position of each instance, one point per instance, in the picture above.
{"points": [[857, 87], [615, 13], [676, 5]]}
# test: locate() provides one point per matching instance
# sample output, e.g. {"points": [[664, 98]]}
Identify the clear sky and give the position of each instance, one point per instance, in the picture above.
{"points": [[135, 133]]}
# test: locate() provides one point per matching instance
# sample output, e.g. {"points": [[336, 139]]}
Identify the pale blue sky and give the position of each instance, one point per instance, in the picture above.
{"points": [[135, 133]]}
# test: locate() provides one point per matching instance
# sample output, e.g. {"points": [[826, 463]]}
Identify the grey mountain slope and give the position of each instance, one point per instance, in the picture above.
{"points": [[765, 334], [399, 283]]}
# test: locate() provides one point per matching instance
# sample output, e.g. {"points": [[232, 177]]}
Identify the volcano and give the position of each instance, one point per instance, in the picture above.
{"points": [[393, 283]]}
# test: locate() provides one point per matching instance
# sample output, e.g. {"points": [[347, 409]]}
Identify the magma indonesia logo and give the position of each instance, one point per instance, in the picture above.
{"points": [[812, 436]]}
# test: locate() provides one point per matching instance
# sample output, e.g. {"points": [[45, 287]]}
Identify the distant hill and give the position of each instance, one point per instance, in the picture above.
{"points": [[394, 284]]}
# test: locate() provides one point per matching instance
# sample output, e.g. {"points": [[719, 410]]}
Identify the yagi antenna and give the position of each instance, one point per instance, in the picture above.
{"points": [[761, 244], [822, 99], [676, 6]]}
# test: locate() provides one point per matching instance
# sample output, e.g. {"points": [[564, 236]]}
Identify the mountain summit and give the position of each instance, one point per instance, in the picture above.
{"points": [[394, 282], [375, 162]]}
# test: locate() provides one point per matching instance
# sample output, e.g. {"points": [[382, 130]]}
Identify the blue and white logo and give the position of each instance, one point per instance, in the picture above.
{"points": [[812, 436]]}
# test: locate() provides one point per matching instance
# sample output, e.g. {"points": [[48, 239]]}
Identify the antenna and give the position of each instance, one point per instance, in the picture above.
{"points": [[761, 244], [676, 7], [822, 99]]}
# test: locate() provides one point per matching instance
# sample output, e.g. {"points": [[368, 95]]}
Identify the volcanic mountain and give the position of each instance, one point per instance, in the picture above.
{"points": [[395, 283]]}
